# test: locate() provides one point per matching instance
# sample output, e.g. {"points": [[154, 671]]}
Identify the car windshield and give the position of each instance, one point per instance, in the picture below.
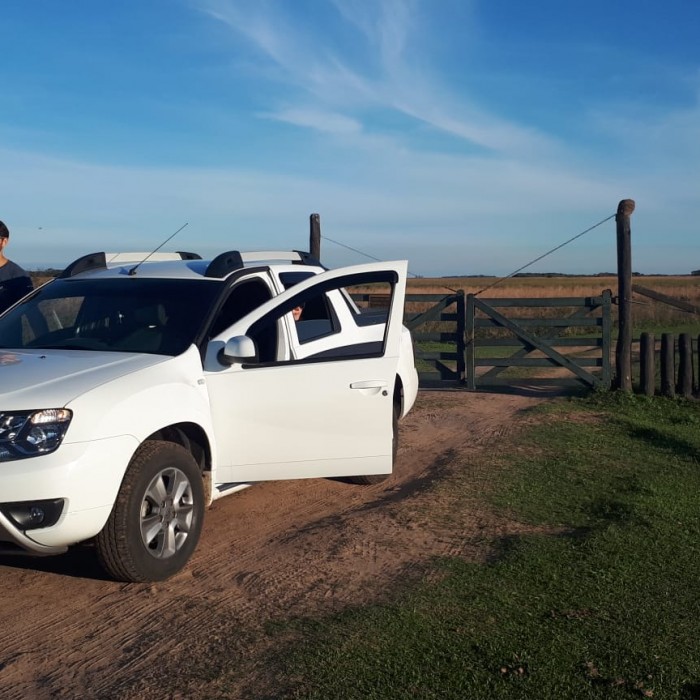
{"points": [[158, 316]]}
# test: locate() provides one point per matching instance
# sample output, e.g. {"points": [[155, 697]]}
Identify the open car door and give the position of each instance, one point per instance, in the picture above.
{"points": [[278, 416]]}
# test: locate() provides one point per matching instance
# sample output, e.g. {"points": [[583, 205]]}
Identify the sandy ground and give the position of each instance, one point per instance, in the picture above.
{"points": [[271, 552]]}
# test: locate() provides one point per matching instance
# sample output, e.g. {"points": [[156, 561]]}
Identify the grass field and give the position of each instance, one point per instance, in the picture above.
{"points": [[603, 604], [683, 286], [647, 314]]}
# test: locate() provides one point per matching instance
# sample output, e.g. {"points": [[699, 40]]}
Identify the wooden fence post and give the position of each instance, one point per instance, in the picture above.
{"points": [[315, 236], [623, 354], [685, 365], [668, 365], [647, 362], [697, 347], [469, 356], [606, 328], [461, 336]]}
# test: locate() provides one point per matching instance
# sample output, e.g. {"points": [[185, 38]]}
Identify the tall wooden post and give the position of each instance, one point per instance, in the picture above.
{"points": [[668, 365], [470, 354], [315, 236], [461, 335], [623, 354], [685, 365], [606, 312], [647, 363], [697, 347]]}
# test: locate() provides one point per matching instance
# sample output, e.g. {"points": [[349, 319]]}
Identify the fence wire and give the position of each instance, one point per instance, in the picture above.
{"points": [[498, 281]]}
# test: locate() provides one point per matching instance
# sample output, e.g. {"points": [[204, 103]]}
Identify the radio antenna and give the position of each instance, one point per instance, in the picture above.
{"points": [[135, 267]]}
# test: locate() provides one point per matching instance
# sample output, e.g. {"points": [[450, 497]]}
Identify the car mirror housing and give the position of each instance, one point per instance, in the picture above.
{"points": [[239, 349]]}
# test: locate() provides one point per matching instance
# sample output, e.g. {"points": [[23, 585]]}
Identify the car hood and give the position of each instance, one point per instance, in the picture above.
{"points": [[31, 379]]}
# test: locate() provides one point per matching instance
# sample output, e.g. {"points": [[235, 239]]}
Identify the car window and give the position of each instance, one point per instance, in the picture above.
{"points": [[315, 318], [289, 279], [242, 299], [368, 304], [320, 331]]}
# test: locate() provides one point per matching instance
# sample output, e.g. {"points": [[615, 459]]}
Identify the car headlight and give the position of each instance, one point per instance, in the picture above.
{"points": [[32, 433]]}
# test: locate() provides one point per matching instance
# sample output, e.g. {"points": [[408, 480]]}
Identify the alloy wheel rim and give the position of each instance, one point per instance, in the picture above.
{"points": [[167, 513]]}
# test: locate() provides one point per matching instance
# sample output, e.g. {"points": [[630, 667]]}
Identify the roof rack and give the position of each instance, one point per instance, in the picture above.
{"points": [[232, 260], [293, 256], [224, 263], [99, 261], [137, 257], [220, 266], [92, 261]]}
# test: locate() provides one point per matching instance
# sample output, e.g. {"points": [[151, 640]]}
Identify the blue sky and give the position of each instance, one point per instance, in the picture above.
{"points": [[469, 136]]}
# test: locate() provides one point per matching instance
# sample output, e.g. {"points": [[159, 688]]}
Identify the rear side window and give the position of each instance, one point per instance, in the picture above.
{"points": [[289, 279], [317, 319], [369, 304], [243, 298]]}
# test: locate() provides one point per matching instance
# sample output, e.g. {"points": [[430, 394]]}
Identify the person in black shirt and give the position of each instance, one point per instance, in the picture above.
{"points": [[14, 281]]}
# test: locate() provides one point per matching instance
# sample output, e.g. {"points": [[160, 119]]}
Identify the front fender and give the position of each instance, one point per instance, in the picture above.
{"points": [[144, 402]]}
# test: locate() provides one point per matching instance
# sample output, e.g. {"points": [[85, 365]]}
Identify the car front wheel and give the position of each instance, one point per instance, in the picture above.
{"points": [[157, 518]]}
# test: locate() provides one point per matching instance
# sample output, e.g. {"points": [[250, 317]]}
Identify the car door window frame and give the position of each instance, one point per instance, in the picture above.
{"points": [[345, 352]]}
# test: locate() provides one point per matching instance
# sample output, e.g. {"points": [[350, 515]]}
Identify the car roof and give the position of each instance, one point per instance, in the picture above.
{"points": [[183, 265]]}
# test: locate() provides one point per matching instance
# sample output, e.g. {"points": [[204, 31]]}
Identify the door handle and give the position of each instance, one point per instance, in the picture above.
{"points": [[369, 384]]}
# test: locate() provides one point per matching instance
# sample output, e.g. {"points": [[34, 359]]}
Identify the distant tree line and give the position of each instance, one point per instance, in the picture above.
{"points": [[54, 272], [564, 274]]}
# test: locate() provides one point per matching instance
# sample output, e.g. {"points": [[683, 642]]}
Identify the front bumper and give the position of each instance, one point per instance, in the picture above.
{"points": [[11, 534], [87, 476]]}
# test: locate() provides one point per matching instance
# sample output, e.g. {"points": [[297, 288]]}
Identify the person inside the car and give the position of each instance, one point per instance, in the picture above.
{"points": [[297, 311]]}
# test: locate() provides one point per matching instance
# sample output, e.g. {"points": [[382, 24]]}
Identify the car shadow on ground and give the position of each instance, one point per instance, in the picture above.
{"points": [[542, 391], [521, 388], [79, 561]]}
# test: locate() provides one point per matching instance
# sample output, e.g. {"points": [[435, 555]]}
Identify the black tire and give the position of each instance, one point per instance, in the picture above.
{"points": [[369, 479], [157, 518]]}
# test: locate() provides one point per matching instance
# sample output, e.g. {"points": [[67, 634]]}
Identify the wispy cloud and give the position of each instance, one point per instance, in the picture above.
{"points": [[342, 79], [316, 119], [386, 25]]}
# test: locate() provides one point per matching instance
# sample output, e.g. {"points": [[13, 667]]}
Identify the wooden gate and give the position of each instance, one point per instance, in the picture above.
{"points": [[461, 340], [438, 337], [576, 346]]}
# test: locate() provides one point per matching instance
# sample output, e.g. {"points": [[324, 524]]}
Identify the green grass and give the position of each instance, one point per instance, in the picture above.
{"points": [[684, 325], [603, 604]]}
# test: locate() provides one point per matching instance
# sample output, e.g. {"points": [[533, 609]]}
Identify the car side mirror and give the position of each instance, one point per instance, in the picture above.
{"points": [[239, 349]]}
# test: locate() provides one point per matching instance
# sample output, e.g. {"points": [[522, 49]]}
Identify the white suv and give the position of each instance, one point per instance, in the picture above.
{"points": [[137, 389]]}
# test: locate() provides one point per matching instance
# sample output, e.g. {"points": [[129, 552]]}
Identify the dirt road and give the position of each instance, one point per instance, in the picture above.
{"points": [[270, 552]]}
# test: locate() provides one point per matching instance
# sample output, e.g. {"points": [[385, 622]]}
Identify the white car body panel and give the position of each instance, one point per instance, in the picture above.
{"points": [[137, 394], [87, 475], [302, 421], [169, 391], [52, 378], [408, 372], [88, 468]]}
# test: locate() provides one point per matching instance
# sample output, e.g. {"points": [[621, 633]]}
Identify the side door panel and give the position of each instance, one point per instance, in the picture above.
{"points": [[330, 416]]}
